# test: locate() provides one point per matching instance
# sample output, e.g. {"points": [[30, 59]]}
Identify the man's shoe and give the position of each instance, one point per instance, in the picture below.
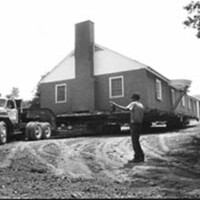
{"points": [[141, 159]]}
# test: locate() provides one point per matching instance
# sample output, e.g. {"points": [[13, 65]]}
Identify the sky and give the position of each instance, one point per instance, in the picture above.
{"points": [[37, 34]]}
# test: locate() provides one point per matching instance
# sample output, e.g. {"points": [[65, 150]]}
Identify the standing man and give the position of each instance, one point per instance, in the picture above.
{"points": [[136, 109]]}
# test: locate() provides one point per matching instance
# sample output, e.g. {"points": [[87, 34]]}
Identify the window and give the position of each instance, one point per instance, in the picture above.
{"points": [[173, 96], [116, 87], [2, 102], [194, 105], [60, 93], [10, 104], [190, 104], [183, 101], [158, 89]]}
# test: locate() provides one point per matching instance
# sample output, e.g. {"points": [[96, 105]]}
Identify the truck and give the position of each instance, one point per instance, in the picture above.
{"points": [[32, 123]]}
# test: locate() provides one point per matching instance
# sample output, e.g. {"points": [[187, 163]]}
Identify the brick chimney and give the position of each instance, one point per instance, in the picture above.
{"points": [[83, 92], [84, 48]]}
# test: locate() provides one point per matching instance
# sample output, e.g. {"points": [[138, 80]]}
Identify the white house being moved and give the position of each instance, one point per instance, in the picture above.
{"points": [[91, 76]]}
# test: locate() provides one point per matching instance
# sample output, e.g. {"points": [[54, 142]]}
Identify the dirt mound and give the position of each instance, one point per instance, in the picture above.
{"points": [[97, 167]]}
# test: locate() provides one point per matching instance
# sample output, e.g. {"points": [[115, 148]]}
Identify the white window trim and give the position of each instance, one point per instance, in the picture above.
{"points": [[110, 89], [56, 92], [159, 83]]}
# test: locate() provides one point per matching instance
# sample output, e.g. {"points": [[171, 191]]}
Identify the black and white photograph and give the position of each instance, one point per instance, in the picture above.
{"points": [[100, 99]]}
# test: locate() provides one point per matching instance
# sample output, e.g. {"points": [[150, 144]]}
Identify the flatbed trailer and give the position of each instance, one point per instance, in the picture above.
{"points": [[112, 121]]}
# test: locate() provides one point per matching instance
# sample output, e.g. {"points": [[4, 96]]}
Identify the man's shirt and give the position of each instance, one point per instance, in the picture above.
{"points": [[137, 112]]}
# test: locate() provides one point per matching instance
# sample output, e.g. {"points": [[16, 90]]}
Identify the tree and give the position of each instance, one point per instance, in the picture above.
{"points": [[14, 93], [193, 19], [35, 102]]}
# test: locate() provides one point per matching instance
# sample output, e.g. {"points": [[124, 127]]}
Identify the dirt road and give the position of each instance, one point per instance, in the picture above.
{"points": [[97, 167]]}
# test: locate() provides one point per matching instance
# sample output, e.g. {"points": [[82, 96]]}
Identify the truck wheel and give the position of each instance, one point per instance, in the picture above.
{"points": [[36, 131], [28, 130], [3, 133], [46, 130]]}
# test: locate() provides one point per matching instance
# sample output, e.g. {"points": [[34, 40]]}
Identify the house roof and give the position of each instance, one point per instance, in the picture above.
{"points": [[106, 61], [181, 84], [63, 71]]}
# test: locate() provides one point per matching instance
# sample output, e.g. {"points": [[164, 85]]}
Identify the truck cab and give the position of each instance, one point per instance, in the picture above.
{"points": [[8, 109]]}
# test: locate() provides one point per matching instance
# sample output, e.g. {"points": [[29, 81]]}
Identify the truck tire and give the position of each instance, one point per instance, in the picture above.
{"points": [[29, 126], [36, 131], [3, 133], [46, 130]]}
